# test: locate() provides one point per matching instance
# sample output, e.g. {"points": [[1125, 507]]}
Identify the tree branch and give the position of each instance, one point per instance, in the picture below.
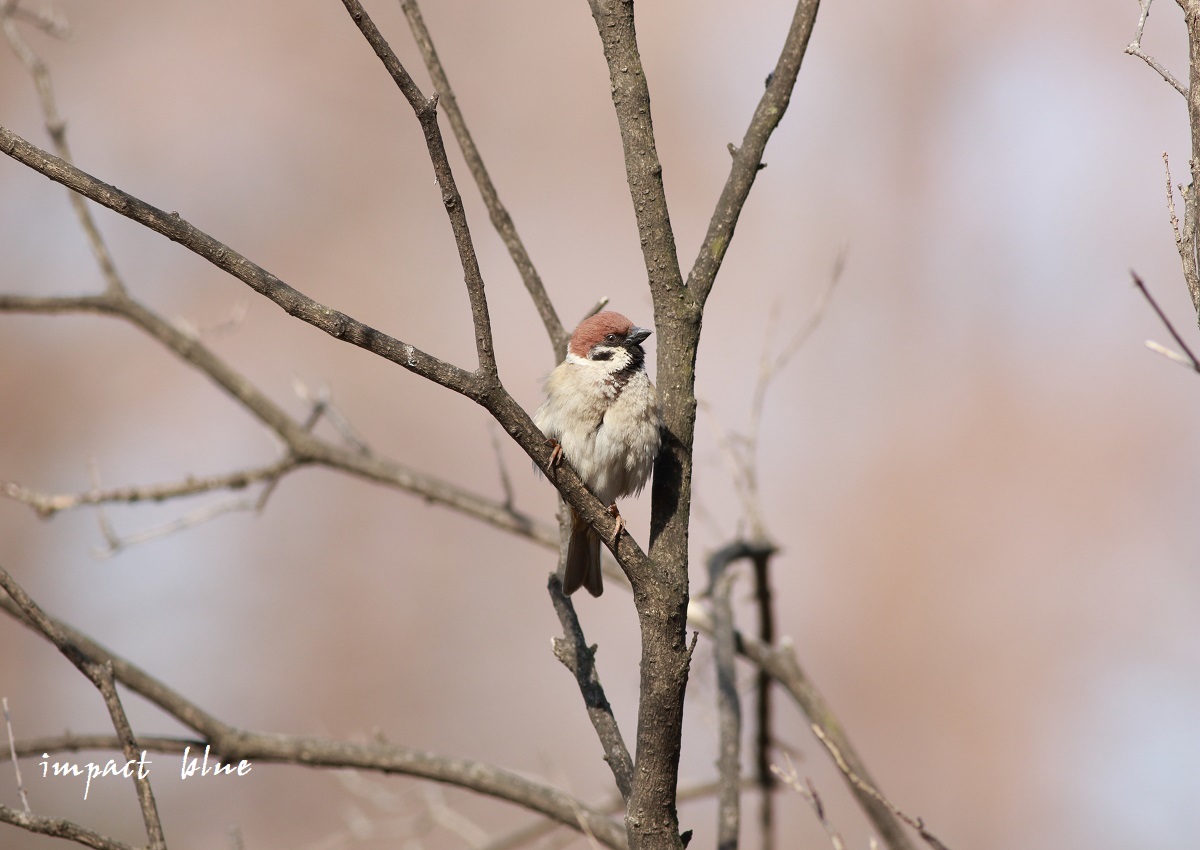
{"points": [[1190, 360], [426, 112], [1191, 204], [294, 303], [100, 674], [780, 662], [1135, 49], [867, 788], [232, 743], [60, 828], [747, 159], [498, 213], [572, 650], [57, 128], [660, 593], [729, 706]]}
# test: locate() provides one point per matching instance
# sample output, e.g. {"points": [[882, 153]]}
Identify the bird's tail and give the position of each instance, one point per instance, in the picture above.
{"points": [[583, 559]]}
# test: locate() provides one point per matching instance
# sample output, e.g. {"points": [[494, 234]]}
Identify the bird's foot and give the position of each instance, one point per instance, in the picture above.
{"points": [[612, 509], [556, 452]]}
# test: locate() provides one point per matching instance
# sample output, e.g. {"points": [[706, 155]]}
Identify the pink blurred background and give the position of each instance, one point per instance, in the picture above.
{"points": [[983, 483]]}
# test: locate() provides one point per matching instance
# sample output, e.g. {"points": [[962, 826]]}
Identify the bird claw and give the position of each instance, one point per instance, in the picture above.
{"points": [[556, 452], [612, 509]]}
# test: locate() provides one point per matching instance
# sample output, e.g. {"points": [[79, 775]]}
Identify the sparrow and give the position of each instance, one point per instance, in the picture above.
{"points": [[602, 413]]}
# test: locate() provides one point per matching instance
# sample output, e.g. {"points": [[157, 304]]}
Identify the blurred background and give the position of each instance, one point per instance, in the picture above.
{"points": [[982, 483]]}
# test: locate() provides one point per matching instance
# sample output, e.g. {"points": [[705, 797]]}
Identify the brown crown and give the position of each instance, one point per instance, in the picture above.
{"points": [[593, 330]]}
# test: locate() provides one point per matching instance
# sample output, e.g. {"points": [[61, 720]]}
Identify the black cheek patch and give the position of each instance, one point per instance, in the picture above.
{"points": [[599, 353]]}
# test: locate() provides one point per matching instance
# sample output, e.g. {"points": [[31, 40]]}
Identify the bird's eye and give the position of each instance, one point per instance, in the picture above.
{"points": [[611, 338]]}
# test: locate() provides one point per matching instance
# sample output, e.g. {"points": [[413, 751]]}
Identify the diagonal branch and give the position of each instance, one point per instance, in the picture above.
{"points": [[572, 650], [1135, 49], [294, 303], [60, 828], [643, 170], [747, 159], [498, 213], [426, 112], [780, 662], [1190, 360], [57, 128], [100, 674], [305, 447], [480, 387], [232, 743], [865, 787]]}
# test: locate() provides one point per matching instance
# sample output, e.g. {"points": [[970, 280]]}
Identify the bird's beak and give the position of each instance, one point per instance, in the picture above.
{"points": [[636, 335]]}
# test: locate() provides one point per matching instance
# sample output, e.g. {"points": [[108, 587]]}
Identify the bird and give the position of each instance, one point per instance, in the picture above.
{"points": [[602, 413]]}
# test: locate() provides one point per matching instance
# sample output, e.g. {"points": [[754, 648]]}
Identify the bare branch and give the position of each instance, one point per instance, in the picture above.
{"points": [[809, 792], [572, 650], [336, 324], [234, 744], [57, 128], [498, 213], [1191, 358], [12, 749], [1135, 49], [780, 662], [729, 707], [60, 828], [480, 387], [506, 485], [763, 735], [48, 21], [426, 112], [747, 159], [526, 835], [305, 447], [46, 505], [100, 673], [70, 742], [858, 782]]}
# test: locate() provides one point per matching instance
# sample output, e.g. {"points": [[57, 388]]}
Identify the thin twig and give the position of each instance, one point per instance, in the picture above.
{"points": [[100, 673], [770, 368], [302, 444], [781, 663], [70, 742], [1137, 281], [501, 467], [1135, 49], [426, 112], [47, 505], [60, 828], [808, 791], [1171, 204], [858, 782], [57, 128], [501, 220], [49, 21], [575, 654], [481, 387], [174, 227], [12, 749], [747, 159], [323, 406], [234, 743]]}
